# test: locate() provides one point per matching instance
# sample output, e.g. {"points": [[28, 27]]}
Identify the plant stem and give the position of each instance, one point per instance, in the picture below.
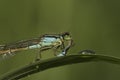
{"points": [[55, 62]]}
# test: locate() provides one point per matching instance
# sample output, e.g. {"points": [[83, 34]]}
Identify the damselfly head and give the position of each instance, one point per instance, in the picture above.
{"points": [[66, 36]]}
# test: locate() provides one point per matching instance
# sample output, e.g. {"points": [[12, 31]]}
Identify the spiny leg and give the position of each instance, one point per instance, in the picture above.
{"points": [[63, 53], [70, 43], [55, 50], [9, 53], [38, 56], [66, 48]]}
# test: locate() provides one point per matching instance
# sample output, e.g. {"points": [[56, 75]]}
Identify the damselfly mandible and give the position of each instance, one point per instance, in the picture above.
{"points": [[61, 41]]}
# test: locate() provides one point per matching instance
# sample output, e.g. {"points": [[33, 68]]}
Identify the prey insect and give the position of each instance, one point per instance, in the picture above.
{"points": [[61, 41]]}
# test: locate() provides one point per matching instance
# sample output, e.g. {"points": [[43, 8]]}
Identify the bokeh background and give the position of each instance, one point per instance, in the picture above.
{"points": [[93, 24]]}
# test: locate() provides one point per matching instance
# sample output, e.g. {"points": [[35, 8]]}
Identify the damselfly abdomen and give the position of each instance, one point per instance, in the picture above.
{"points": [[61, 41]]}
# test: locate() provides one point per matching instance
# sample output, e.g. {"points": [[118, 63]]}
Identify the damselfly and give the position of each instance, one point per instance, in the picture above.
{"points": [[61, 41]]}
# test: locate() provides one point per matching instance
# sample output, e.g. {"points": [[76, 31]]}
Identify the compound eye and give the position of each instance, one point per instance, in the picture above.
{"points": [[67, 37], [66, 33]]}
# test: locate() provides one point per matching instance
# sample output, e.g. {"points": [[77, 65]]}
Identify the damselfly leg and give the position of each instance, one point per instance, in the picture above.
{"points": [[38, 56]]}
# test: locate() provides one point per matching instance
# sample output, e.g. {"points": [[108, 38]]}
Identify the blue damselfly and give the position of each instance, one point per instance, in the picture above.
{"points": [[61, 41]]}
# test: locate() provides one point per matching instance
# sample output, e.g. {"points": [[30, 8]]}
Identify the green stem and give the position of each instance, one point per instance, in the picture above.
{"points": [[55, 62]]}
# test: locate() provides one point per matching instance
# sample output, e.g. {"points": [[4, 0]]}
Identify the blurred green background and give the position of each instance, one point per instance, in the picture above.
{"points": [[93, 24]]}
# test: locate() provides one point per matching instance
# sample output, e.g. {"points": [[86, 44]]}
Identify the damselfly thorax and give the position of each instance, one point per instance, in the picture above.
{"points": [[48, 41]]}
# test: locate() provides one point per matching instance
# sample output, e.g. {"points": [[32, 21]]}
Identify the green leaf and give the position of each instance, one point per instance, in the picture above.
{"points": [[56, 62]]}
